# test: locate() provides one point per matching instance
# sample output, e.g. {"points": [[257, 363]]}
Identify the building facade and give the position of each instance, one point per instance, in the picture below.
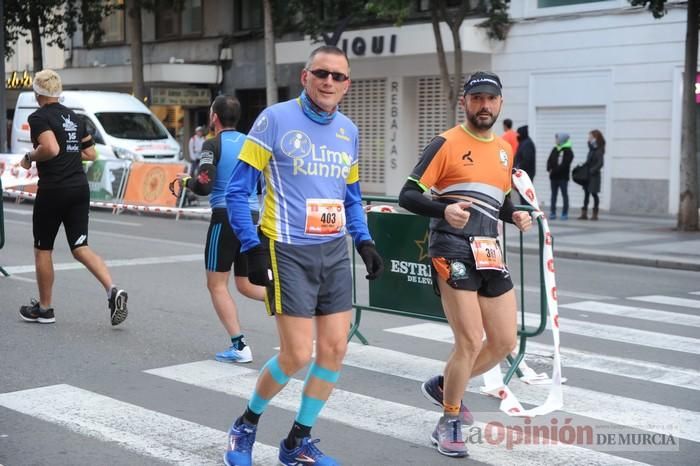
{"points": [[567, 66]]}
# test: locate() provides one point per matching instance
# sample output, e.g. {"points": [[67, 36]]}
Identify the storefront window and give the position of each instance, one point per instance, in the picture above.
{"points": [[551, 3]]}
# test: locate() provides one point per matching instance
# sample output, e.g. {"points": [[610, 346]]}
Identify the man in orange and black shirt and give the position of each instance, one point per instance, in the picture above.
{"points": [[467, 170]]}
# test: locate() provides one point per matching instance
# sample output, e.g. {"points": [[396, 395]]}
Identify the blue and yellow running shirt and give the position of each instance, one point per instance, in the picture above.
{"points": [[311, 175]]}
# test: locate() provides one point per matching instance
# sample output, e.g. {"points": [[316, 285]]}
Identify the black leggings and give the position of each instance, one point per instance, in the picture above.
{"points": [[596, 199]]}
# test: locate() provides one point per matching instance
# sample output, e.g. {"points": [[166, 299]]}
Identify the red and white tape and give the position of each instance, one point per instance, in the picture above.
{"points": [[493, 379]]}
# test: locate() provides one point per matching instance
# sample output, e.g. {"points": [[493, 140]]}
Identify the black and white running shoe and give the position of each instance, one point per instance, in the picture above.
{"points": [[34, 313], [117, 305]]}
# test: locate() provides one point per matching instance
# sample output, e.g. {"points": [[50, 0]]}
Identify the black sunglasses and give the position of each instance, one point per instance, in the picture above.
{"points": [[323, 74]]}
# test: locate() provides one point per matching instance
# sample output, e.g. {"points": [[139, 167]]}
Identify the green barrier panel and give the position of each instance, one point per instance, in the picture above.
{"points": [[406, 285], [106, 179], [405, 288], [2, 229]]}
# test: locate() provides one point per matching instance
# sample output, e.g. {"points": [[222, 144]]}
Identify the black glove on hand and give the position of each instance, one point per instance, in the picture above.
{"points": [[373, 261], [259, 267]]}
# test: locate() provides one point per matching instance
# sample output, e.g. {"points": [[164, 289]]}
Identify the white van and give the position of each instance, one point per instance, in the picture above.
{"points": [[123, 127]]}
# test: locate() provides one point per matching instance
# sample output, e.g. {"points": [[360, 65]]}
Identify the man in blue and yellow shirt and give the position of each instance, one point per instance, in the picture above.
{"points": [[308, 153]]}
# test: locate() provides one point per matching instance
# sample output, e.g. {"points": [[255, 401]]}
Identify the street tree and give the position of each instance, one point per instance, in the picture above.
{"points": [[134, 30], [270, 59], [50, 22], [326, 20], [497, 26], [688, 201]]}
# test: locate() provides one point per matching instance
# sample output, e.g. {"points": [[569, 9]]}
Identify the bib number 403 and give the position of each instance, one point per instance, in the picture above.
{"points": [[324, 216]]}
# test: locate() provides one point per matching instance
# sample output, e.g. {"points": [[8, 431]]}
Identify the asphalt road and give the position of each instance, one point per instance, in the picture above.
{"points": [[147, 392]]}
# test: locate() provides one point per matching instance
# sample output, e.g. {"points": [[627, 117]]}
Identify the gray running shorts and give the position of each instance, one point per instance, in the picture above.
{"points": [[309, 280]]}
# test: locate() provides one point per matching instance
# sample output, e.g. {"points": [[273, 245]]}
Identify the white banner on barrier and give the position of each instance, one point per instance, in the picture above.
{"points": [[13, 175]]}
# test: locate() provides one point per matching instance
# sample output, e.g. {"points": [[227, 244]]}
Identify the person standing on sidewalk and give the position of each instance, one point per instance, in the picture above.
{"points": [[525, 156], [223, 250], [195, 149], [559, 167], [510, 135], [307, 151], [468, 172], [61, 143], [594, 162]]}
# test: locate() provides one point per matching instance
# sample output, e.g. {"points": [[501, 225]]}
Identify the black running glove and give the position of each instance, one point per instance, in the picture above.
{"points": [[373, 261], [259, 266]]}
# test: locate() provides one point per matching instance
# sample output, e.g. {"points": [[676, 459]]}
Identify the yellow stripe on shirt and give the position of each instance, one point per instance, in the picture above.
{"points": [[254, 154], [269, 223], [354, 174]]}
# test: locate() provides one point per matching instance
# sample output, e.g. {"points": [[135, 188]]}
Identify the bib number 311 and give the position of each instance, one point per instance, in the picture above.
{"points": [[487, 253]]}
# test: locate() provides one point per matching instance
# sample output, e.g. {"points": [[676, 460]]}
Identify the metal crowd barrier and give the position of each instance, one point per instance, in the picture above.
{"points": [[406, 289], [122, 185]]}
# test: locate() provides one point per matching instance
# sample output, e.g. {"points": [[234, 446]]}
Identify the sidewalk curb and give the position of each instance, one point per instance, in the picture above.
{"points": [[614, 258]]}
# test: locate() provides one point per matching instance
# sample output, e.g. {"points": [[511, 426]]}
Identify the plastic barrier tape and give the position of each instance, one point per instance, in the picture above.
{"points": [[493, 379]]}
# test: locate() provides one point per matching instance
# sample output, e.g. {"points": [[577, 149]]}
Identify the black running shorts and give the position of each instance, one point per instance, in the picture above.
{"points": [[53, 206], [462, 274], [223, 248]]}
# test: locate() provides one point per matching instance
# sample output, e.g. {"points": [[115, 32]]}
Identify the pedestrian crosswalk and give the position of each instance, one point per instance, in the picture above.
{"points": [[170, 439], [634, 312]]}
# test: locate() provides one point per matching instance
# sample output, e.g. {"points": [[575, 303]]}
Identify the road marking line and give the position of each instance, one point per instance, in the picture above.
{"points": [[632, 368], [670, 300], [624, 367], [17, 211], [143, 431], [634, 312], [17, 269], [601, 406], [568, 294], [382, 417], [623, 334]]}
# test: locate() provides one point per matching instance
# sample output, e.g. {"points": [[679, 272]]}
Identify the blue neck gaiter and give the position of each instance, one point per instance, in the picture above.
{"points": [[312, 110]]}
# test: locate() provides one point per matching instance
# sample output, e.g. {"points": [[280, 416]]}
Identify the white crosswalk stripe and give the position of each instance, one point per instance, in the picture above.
{"points": [[625, 367], [653, 315], [670, 300], [140, 430], [622, 334], [374, 415]]}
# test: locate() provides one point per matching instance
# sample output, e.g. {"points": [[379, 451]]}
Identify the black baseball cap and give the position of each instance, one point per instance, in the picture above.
{"points": [[483, 81]]}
